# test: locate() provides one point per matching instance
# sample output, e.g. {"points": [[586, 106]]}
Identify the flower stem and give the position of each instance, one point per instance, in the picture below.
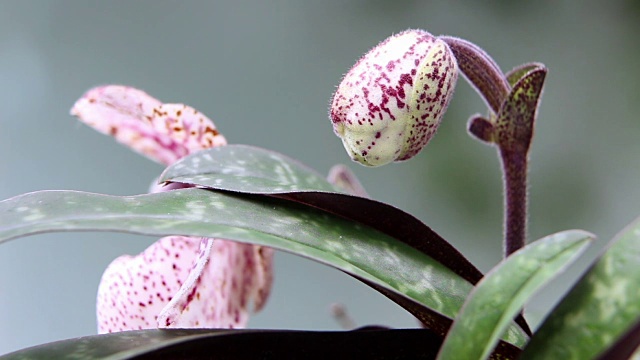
{"points": [[513, 100], [514, 166]]}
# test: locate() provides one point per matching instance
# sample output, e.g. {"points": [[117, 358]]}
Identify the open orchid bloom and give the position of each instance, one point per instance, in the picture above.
{"points": [[178, 281]]}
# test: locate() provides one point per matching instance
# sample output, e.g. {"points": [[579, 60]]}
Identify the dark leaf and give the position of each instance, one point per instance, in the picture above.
{"points": [[481, 128], [626, 346], [518, 72], [514, 125], [364, 343]]}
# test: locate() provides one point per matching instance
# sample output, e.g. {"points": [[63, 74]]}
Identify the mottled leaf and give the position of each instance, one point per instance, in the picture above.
{"points": [[355, 249], [498, 297], [248, 169], [518, 72], [263, 171], [514, 125], [267, 172], [351, 247], [600, 308]]}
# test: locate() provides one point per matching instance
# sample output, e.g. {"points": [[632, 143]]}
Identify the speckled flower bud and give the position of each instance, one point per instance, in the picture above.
{"points": [[389, 105]]}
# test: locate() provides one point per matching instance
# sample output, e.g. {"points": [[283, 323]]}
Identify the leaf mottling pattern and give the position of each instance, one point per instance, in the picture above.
{"points": [[282, 224], [600, 308], [500, 295]]}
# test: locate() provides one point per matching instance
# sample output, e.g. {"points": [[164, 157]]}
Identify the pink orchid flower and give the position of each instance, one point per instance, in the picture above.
{"points": [[179, 281]]}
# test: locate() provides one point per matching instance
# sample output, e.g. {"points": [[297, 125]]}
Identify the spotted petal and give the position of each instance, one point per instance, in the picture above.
{"points": [[184, 282], [219, 296], [134, 290], [178, 281], [162, 132]]}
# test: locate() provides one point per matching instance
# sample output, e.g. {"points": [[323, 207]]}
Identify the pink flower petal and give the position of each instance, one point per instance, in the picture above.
{"points": [[163, 132], [218, 296], [134, 290], [178, 281], [259, 284], [191, 289], [185, 282]]}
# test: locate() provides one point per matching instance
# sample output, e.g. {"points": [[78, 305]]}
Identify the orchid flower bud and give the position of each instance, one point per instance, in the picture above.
{"points": [[389, 105]]}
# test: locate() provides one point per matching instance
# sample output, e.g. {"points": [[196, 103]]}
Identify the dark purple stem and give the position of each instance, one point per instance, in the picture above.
{"points": [[480, 70], [514, 165], [513, 100]]}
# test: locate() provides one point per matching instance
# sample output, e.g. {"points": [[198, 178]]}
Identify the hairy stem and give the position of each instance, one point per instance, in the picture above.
{"points": [[481, 71], [513, 101], [514, 166]]}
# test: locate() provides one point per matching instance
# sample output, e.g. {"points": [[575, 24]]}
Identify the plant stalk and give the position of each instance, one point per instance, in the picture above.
{"points": [[514, 166], [513, 101]]}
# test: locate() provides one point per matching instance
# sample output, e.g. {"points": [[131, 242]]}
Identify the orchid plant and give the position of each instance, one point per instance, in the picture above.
{"points": [[222, 209]]}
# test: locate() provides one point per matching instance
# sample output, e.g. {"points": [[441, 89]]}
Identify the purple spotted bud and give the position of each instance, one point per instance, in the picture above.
{"points": [[389, 105]]}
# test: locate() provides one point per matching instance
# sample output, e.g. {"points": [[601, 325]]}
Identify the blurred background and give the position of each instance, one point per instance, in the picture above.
{"points": [[264, 72]]}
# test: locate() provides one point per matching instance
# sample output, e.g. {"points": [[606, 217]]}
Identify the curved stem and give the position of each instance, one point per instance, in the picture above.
{"points": [[514, 166], [481, 71], [513, 101]]}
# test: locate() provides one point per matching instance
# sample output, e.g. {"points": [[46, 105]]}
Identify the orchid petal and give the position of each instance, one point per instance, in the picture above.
{"points": [[178, 281], [260, 283], [342, 177], [185, 282], [133, 290], [189, 289], [162, 132], [220, 295]]}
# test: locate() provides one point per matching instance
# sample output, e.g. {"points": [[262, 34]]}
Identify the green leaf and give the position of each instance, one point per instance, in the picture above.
{"points": [[246, 169], [498, 297], [277, 223], [599, 309], [351, 247], [266, 172], [242, 344]]}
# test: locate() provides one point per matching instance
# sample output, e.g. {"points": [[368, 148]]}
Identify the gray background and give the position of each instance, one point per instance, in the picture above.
{"points": [[264, 71]]}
